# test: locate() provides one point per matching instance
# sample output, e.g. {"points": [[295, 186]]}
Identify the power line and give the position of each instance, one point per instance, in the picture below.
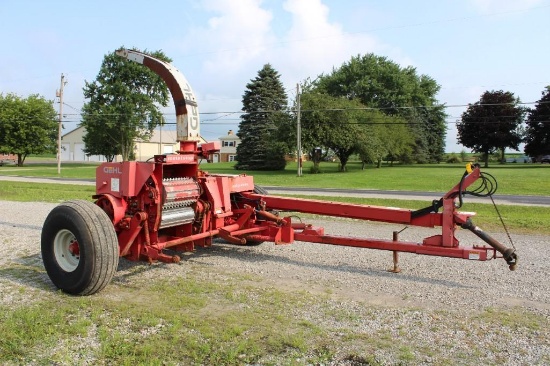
{"points": [[227, 113]]}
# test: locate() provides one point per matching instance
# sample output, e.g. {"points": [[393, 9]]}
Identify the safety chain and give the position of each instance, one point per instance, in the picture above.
{"points": [[502, 221]]}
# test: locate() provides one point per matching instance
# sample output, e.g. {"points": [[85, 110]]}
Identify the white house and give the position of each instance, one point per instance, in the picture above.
{"points": [[228, 150]]}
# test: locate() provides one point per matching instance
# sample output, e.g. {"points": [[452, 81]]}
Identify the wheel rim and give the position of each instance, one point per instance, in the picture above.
{"points": [[66, 250]]}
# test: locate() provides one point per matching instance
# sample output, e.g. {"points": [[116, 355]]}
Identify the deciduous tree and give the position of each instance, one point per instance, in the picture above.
{"points": [[123, 106], [330, 123], [27, 126], [346, 127], [492, 123], [537, 134], [396, 91], [389, 138]]}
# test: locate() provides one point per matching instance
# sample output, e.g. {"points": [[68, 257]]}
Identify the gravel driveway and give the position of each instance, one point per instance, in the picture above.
{"points": [[432, 300]]}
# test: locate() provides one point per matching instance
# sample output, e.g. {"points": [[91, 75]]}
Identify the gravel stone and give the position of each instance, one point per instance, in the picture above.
{"points": [[430, 304]]}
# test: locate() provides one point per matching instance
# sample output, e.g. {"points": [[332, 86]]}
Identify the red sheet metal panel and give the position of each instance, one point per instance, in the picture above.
{"points": [[364, 212]]}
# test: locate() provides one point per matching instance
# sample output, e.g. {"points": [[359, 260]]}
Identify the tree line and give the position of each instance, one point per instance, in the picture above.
{"points": [[370, 107], [374, 108]]}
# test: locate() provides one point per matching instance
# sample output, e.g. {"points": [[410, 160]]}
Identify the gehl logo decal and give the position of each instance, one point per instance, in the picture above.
{"points": [[112, 170]]}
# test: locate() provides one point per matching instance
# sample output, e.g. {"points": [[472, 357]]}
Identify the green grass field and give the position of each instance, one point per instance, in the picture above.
{"points": [[524, 179], [520, 179]]}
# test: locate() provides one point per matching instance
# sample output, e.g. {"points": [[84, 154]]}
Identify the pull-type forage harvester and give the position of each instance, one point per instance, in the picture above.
{"points": [[143, 208]]}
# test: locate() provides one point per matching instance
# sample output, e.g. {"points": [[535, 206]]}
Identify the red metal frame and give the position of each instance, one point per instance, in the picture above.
{"points": [[444, 244], [170, 203]]}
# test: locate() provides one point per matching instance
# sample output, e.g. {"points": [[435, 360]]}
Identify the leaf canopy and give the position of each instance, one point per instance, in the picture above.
{"points": [[492, 123], [27, 126], [537, 134], [380, 83], [123, 106]]}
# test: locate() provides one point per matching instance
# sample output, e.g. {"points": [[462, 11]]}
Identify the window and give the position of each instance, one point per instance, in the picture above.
{"points": [[229, 143], [231, 157]]}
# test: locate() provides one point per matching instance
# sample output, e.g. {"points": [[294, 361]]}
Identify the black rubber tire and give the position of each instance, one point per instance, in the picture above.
{"points": [[260, 190], [97, 260]]}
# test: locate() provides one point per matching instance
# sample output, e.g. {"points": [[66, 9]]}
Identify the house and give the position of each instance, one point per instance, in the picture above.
{"points": [[228, 151], [162, 142]]}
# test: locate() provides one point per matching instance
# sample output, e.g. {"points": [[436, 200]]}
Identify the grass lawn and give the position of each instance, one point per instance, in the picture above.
{"points": [[519, 219], [75, 171], [524, 179], [521, 179], [35, 192]]}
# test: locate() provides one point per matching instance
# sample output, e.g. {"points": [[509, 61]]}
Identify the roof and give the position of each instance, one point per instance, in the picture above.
{"points": [[73, 131], [230, 136], [166, 136]]}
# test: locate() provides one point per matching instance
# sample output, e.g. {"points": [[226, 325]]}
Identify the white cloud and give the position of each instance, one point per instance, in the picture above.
{"points": [[240, 38], [298, 39], [238, 34], [314, 44]]}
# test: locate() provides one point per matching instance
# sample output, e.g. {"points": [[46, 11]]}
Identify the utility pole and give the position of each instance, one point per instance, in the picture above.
{"points": [[160, 139], [60, 127], [298, 131]]}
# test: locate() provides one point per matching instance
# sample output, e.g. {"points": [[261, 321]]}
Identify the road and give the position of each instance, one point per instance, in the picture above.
{"points": [[428, 197], [409, 195]]}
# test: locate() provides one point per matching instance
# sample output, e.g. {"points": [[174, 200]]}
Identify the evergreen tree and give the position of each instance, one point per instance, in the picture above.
{"points": [[265, 107], [537, 136]]}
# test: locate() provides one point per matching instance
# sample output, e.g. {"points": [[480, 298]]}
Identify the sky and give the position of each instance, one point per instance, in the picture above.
{"points": [[467, 46]]}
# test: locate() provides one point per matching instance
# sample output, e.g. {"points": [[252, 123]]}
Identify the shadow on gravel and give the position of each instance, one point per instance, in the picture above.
{"points": [[253, 255], [28, 271], [246, 254], [127, 269]]}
